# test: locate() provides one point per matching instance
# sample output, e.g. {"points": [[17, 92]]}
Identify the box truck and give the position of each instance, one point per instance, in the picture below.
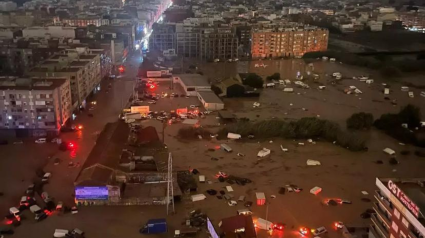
{"points": [[264, 224]]}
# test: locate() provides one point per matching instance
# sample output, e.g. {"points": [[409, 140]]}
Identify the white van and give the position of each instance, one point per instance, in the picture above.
{"points": [[40, 141], [14, 211], [411, 94], [202, 178], [288, 90], [60, 233], [281, 82], [287, 81], [35, 209]]}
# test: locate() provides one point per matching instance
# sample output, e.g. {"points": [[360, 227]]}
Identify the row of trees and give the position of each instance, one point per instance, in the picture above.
{"points": [[401, 126], [305, 128], [388, 67]]}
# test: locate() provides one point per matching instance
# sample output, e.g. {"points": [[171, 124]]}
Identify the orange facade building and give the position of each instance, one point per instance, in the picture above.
{"points": [[288, 42]]}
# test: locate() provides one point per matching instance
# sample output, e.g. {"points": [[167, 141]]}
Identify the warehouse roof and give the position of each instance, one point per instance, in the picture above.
{"points": [[209, 97], [193, 80]]}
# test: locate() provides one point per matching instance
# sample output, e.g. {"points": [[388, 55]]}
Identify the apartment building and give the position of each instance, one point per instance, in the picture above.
{"points": [[188, 40], [20, 18], [244, 37], [399, 206], [49, 31], [413, 19], [218, 43], [34, 106], [163, 37], [83, 20], [288, 42], [83, 71], [195, 41]]}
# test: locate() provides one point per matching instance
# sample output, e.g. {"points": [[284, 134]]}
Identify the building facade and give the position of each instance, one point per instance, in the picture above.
{"points": [[34, 107], [399, 207], [288, 42], [218, 43], [82, 69], [413, 19], [206, 43]]}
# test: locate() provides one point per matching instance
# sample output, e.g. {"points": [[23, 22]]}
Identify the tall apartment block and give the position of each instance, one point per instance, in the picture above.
{"points": [[81, 68], [164, 37], [413, 19], [188, 41], [288, 42], [207, 43], [34, 107], [399, 206], [218, 43]]}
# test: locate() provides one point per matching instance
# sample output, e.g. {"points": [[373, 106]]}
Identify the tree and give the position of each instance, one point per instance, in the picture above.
{"points": [[275, 76], [411, 115], [216, 90], [236, 90], [360, 121], [253, 80]]}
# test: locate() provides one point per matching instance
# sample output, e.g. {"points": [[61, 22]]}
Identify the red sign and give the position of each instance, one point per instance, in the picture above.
{"points": [[403, 198]]}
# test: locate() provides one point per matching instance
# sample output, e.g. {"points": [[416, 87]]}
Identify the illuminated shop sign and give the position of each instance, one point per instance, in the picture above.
{"points": [[403, 198]]}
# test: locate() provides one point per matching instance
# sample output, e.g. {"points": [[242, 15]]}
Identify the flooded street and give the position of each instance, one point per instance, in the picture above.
{"points": [[288, 69]]}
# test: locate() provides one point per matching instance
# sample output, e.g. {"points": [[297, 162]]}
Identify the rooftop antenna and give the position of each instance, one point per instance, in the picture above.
{"points": [[170, 190]]}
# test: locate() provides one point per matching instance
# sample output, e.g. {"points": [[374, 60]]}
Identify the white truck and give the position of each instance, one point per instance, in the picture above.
{"points": [[264, 224], [132, 117]]}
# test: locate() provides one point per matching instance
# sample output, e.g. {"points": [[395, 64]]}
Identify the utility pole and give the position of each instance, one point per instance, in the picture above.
{"points": [[170, 190]]}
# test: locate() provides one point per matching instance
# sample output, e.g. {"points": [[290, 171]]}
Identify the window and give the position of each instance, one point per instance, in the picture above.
{"points": [[394, 226], [402, 235], [405, 222], [396, 213]]}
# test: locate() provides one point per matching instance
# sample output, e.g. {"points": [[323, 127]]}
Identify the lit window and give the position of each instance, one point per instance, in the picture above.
{"points": [[394, 226], [405, 222], [396, 213]]}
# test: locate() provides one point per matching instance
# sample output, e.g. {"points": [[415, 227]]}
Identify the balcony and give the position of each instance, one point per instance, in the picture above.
{"points": [[382, 214], [383, 200], [375, 232], [380, 226]]}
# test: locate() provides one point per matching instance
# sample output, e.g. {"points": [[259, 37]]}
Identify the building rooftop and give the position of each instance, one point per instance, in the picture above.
{"points": [[193, 80], [31, 83], [87, 56], [209, 97], [230, 224], [78, 63]]}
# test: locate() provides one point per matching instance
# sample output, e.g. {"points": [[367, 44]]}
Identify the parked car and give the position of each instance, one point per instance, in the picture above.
{"points": [[41, 140], [76, 233], [6, 230], [60, 233], [30, 190], [319, 231], [45, 196], [46, 177]]}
